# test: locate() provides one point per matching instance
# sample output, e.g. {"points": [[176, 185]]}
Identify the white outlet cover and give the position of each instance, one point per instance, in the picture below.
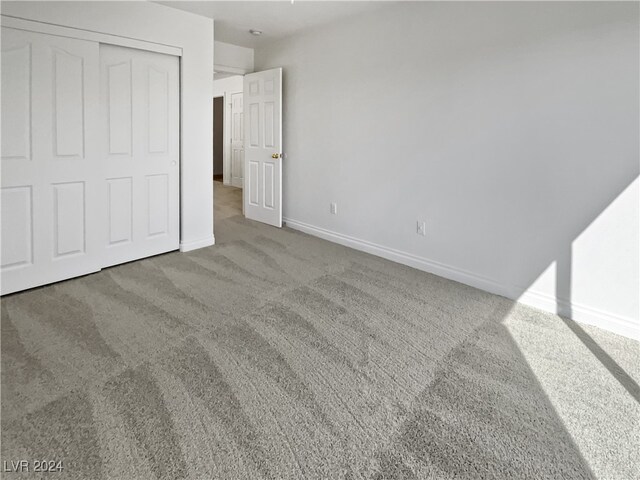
{"points": [[333, 208], [421, 228]]}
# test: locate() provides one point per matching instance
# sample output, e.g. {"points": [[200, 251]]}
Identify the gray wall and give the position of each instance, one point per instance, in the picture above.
{"points": [[510, 128]]}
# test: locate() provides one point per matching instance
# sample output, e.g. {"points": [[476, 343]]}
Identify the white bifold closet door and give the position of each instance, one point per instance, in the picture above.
{"points": [[89, 157], [51, 227], [139, 152]]}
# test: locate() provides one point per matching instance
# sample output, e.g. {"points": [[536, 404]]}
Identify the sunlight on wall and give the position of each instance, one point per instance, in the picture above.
{"points": [[605, 265], [599, 273]]}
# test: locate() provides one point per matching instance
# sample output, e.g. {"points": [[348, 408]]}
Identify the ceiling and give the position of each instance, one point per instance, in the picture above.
{"points": [[233, 19]]}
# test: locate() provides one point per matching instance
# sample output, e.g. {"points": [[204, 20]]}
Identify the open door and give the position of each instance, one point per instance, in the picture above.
{"points": [[263, 146]]}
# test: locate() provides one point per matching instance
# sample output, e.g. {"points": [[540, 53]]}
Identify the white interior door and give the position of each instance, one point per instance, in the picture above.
{"points": [[51, 227], [237, 140], [263, 146], [140, 153]]}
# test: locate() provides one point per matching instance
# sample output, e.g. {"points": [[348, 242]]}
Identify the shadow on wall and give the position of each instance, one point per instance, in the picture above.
{"points": [[563, 286], [599, 198], [599, 192]]}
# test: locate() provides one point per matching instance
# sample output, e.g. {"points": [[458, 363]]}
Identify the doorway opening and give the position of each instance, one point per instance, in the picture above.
{"points": [[227, 152], [251, 144], [218, 138]]}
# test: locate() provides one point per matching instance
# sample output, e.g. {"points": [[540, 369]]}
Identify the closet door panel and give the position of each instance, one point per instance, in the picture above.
{"points": [[140, 152], [51, 172]]}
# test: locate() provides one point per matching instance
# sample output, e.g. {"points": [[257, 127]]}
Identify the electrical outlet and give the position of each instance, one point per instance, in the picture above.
{"points": [[421, 228], [333, 208]]}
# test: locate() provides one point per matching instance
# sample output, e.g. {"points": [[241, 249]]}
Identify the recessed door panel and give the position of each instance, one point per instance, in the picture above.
{"points": [[236, 163], [68, 219], [237, 139], [158, 109], [157, 204], [254, 125], [269, 130], [269, 171], [16, 102], [17, 227], [120, 210], [254, 192], [118, 91], [238, 126], [68, 90]]}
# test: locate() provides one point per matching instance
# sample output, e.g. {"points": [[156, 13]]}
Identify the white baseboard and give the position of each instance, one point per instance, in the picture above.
{"points": [[404, 258], [580, 313], [195, 244]]}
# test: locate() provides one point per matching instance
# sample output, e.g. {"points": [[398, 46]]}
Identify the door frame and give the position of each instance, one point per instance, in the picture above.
{"points": [[102, 22], [61, 31]]}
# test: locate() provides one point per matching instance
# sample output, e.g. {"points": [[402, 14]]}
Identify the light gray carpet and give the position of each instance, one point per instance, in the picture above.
{"points": [[278, 355]]}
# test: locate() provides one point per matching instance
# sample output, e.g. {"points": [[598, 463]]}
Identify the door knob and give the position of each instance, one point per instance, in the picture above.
{"points": [[276, 155]]}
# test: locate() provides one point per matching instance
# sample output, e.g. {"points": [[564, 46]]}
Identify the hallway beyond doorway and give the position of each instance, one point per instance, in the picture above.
{"points": [[227, 201]]}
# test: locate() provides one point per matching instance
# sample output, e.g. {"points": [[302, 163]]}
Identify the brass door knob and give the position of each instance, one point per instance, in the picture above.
{"points": [[276, 155]]}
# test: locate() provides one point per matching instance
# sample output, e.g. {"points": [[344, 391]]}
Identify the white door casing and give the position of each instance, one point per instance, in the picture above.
{"points": [[51, 227], [237, 140], [263, 146], [140, 153]]}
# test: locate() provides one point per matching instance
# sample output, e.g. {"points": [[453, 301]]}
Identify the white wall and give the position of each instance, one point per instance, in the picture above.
{"points": [[227, 85], [511, 128], [233, 58], [194, 35]]}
